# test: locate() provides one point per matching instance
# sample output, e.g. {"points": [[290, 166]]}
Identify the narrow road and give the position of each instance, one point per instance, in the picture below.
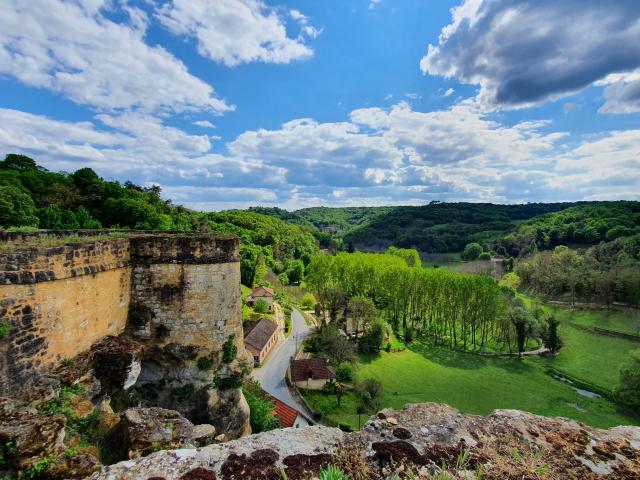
{"points": [[271, 374]]}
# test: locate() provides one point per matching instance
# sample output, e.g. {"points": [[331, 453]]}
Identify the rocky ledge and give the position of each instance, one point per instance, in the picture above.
{"points": [[420, 441]]}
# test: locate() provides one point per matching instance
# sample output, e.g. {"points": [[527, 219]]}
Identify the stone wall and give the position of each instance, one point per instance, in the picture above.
{"points": [[57, 302], [178, 294]]}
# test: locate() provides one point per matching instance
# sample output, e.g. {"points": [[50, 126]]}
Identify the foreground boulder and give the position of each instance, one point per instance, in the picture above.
{"points": [[147, 430], [420, 441]]}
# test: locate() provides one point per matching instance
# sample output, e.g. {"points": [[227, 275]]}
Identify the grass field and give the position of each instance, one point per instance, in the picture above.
{"points": [[471, 383], [477, 384]]}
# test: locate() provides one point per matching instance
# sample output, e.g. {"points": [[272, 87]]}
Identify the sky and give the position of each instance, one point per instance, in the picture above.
{"points": [[236, 103]]}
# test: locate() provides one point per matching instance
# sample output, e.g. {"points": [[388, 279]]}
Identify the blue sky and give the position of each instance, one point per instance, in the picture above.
{"points": [[232, 103]]}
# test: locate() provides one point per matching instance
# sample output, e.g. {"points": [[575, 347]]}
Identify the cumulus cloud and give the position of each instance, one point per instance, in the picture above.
{"points": [[238, 31], [73, 49], [377, 156], [448, 92], [204, 124], [522, 52]]}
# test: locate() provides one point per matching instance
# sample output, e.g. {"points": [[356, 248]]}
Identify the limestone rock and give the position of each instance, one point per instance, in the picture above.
{"points": [[26, 436], [116, 363], [146, 430], [203, 435], [427, 439]]}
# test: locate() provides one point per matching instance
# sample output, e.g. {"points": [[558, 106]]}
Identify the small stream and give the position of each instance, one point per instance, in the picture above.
{"points": [[581, 391]]}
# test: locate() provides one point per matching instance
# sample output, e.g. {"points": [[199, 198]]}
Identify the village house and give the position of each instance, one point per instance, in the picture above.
{"points": [[261, 339], [311, 373], [261, 293], [288, 416]]}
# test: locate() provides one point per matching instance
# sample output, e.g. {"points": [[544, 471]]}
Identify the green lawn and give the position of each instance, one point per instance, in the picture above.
{"points": [[613, 320], [471, 383], [446, 261]]}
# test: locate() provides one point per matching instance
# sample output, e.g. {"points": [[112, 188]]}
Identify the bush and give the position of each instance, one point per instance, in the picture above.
{"points": [[628, 392], [5, 330], [344, 373], [484, 256], [204, 363], [372, 339], [229, 350], [472, 251], [308, 301], [262, 408], [260, 306], [227, 383], [371, 390]]}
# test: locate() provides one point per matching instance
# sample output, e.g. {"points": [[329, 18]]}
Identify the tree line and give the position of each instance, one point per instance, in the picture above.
{"points": [[33, 197], [459, 310]]}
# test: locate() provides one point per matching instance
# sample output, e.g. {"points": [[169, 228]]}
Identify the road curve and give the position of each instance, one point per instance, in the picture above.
{"points": [[271, 374]]}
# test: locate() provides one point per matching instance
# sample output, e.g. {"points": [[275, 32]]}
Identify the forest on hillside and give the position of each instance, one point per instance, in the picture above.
{"points": [[33, 197]]}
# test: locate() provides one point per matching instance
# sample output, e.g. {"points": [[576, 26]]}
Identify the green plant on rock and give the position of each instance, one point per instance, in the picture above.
{"points": [[5, 330], [184, 392], [332, 473], [37, 469], [229, 350], [227, 383], [204, 363]]}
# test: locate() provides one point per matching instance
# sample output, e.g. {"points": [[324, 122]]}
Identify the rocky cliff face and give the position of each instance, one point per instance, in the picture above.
{"points": [[420, 441]]}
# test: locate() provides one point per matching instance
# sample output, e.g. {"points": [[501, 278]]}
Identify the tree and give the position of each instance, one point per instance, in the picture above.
{"points": [[628, 391], [552, 339], [521, 320], [472, 251], [308, 301], [484, 256], [262, 408], [372, 339], [260, 306], [344, 373], [362, 311], [371, 390], [16, 208], [17, 162]]}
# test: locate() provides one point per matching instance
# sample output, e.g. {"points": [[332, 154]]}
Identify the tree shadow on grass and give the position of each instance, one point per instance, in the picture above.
{"points": [[447, 357]]}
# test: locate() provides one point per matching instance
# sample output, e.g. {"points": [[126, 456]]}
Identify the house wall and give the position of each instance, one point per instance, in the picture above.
{"points": [[311, 384]]}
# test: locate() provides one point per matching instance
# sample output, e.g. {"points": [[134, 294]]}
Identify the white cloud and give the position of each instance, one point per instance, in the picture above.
{"points": [[378, 156], [73, 49], [374, 3], [524, 52], [237, 31], [204, 124], [449, 92]]}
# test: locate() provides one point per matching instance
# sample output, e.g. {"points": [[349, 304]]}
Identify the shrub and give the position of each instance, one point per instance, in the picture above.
{"points": [[308, 301], [229, 350], [371, 390], [472, 251], [262, 408], [227, 383], [484, 256], [344, 373], [332, 473], [628, 392], [5, 330], [204, 363], [260, 306]]}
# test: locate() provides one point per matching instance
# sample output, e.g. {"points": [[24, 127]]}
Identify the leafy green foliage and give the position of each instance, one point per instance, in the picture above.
{"points": [[204, 363], [373, 337], [16, 207], [227, 383], [332, 473], [409, 255], [330, 343], [262, 408], [344, 373], [583, 225], [260, 306], [628, 392], [5, 330], [308, 301], [461, 310], [471, 251], [607, 272], [229, 349]]}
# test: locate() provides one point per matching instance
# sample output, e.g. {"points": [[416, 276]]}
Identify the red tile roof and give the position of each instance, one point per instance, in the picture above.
{"points": [[311, 368], [262, 292], [260, 334], [285, 413]]}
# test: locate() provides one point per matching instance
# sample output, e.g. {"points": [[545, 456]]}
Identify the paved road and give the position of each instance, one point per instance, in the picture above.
{"points": [[271, 374]]}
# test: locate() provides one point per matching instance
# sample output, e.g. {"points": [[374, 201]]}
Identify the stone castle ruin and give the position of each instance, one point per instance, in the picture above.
{"points": [[151, 319]]}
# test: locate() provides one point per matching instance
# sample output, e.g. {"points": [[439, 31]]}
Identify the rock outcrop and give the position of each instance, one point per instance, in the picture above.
{"points": [[420, 441]]}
